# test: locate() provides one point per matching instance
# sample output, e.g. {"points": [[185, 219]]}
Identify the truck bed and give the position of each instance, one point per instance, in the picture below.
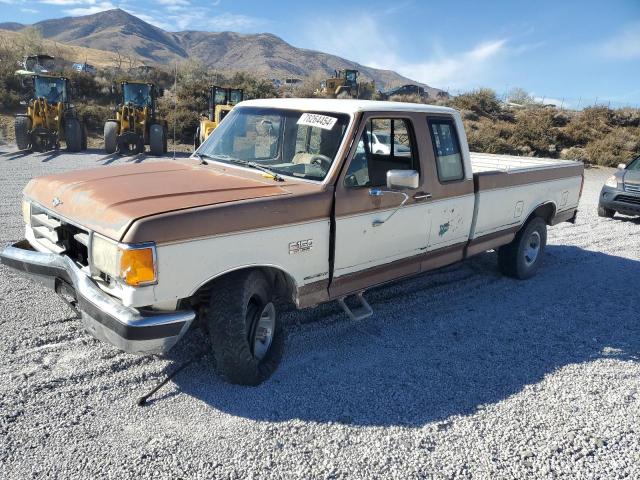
{"points": [[508, 188], [487, 162]]}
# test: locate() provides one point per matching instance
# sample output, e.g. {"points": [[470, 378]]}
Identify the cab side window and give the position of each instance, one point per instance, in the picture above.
{"points": [[447, 150], [386, 144]]}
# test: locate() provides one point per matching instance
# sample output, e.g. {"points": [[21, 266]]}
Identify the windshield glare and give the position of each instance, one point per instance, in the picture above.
{"points": [[52, 89], [138, 94], [288, 142]]}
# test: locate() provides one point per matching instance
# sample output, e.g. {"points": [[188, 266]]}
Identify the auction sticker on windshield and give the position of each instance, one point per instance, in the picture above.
{"points": [[315, 120]]}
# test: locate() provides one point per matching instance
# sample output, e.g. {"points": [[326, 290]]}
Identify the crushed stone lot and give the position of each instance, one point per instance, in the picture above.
{"points": [[461, 373]]}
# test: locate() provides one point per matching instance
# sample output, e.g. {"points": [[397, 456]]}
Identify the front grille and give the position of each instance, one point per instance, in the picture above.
{"points": [[628, 199], [58, 236], [632, 187]]}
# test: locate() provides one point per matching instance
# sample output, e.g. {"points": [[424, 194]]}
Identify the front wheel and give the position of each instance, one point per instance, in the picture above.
{"points": [[605, 212], [22, 131], [521, 258], [246, 334]]}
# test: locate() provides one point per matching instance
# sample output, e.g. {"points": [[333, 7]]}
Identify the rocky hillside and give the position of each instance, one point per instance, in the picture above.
{"points": [[265, 54]]}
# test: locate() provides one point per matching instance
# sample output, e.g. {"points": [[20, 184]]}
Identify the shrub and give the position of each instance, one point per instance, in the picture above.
{"points": [[482, 101]]}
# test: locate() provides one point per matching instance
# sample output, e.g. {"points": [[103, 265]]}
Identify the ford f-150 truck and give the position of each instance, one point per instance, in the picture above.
{"points": [[285, 200]]}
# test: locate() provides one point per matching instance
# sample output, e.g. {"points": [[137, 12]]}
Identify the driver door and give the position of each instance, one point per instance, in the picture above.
{"points": [[380, 233]]}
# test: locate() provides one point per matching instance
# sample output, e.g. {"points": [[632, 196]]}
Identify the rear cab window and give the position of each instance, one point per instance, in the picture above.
{"points": [[446, 149]]}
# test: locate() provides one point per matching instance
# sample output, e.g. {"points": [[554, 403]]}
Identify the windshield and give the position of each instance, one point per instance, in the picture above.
{"points": [[287, 142], [235, 96], [53, 89], [138, 94], [351, 76]]}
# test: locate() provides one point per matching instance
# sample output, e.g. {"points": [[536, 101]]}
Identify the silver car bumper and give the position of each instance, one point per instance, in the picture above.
{"points": [[104, 316]]}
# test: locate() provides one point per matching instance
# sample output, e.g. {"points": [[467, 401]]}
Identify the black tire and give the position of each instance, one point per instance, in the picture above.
{"points": [[236, 304], [517, 259], [605, 212], [85, 134], [110, 137], [156, 139], [73, 134], [22, 129]]}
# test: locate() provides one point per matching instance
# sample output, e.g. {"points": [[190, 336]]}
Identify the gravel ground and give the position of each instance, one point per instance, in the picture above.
{"points": [[461, 373]]}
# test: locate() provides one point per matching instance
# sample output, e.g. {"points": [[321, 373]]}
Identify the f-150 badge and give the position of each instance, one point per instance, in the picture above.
{"points": [[300, 246]]}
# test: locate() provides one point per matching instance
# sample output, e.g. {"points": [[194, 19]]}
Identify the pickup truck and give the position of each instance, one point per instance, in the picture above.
{"points": [[278, 204]]}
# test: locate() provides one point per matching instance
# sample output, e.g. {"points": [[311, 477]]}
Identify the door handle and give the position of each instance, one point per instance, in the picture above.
{"points": [[422, 196]]}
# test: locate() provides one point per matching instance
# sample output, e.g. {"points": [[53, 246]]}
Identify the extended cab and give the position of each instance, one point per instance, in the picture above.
{"points": [[285, 200]]}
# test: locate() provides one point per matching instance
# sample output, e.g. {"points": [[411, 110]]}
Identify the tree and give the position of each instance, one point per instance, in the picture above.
{"points": [[520, 96]]}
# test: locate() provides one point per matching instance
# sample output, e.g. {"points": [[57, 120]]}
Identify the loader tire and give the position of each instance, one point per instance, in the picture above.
{"points": [[521, 258], [73, 134], [110, 137], [85, 135], [22, 129], [246, 334], [156, 139]]}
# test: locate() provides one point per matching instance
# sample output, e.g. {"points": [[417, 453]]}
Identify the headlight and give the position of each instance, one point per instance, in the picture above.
{"points": [[26, 212], [134, 265], [612, 182]]}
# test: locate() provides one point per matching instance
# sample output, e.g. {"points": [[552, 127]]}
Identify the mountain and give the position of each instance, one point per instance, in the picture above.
{"points": [[264, 54], [12, 26]]}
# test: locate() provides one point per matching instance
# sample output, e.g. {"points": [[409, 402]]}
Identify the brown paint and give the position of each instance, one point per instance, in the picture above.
{"points": [[108, 200], [491, 241], [374, 276], [493, 180], [355, 200]]}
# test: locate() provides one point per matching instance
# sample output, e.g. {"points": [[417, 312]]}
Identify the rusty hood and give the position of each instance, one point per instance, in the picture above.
{"points": [[108, 200]]}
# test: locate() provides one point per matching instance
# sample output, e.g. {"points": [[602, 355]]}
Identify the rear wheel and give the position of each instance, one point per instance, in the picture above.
{"points": [[521, 258], [156, 139], [22, 129], [246, 335], [605, 212], [73, 134], [110, 136]]}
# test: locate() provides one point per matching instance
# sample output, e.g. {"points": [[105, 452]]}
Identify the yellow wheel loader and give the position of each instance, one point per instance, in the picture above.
{"points": [[344, 84], [136, 123], [50, 118], [221, 101]]}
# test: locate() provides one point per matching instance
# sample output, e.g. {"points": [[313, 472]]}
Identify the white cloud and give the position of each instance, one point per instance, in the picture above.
{"points": [[68, 2], [90, 9], [231, 21], [29, 10], [625, 45], [366, 41]]}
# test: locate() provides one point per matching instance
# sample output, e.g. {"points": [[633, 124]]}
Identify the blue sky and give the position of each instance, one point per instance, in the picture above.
{"points": [[578, 51]]}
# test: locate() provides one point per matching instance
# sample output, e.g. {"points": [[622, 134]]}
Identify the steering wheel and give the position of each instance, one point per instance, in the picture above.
{"points": [[321, 161]]}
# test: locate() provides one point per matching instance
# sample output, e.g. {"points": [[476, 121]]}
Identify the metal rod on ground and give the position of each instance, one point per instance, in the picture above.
{"points": [[143, 400]]}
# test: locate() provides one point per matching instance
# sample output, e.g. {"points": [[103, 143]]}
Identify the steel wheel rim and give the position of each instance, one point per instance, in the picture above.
{"points": [[532, 248], [262, 331]]}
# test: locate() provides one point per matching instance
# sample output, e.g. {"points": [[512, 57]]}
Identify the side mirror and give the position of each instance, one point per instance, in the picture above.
{"points": [[621, 166], [399, 179]]}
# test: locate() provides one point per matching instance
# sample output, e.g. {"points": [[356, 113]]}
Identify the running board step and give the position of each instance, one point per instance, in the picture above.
{"points": [[362, 311]]}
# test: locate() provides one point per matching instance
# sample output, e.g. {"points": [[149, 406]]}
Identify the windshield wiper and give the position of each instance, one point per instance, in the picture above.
{"points": [[247, 163]]}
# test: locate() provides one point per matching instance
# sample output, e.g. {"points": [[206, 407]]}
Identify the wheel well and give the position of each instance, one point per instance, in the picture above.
{"points": [[546, 211], [284, 284]]}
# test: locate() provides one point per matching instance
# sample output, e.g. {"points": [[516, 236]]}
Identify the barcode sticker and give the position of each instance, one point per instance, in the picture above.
{"points": [[314, 120]]}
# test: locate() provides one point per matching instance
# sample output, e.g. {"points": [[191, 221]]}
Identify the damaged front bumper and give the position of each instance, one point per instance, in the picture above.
{"points": [[126, 328]]}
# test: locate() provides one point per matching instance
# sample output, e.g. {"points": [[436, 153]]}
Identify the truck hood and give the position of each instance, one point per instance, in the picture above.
{"points": [[108, 200]]}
